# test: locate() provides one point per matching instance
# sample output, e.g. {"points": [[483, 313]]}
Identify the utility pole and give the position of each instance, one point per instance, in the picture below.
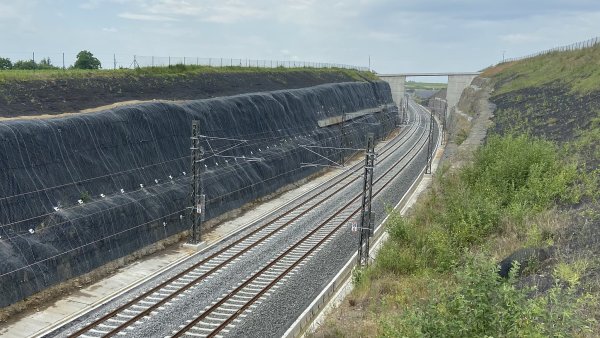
{"points": [[429, 145], [443, 112], [405, 110], [342, 138], [366, 223], [197, 199]]}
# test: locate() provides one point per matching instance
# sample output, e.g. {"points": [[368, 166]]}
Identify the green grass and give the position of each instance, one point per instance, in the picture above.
{"points": [[512, 180], [175, 70], [425, 85], [579, 70], [481, 304]]}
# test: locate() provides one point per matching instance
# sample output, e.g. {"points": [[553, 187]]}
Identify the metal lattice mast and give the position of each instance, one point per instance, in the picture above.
{"points": [[405, 110], [343, 140], [366, 225], [444, 127], [196, 197], [429, 145]]}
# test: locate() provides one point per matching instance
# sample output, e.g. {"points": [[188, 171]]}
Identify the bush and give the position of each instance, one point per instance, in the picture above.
{"points": [[46, 64], [5, 64], [483, 304], [510, 178], [25, 65]]}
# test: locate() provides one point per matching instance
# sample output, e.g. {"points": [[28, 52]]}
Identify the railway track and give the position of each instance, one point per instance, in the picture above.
{"points": [[159, 297], [222, 314]]}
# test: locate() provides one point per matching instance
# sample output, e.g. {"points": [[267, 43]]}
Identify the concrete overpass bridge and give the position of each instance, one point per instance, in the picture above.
{"points": [[457, 82]]}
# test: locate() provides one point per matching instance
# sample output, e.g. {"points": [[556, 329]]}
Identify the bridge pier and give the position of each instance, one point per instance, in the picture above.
{"points": [[397, 86]]}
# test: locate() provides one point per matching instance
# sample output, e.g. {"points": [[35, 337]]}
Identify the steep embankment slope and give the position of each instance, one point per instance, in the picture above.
{"points": [[24, 93], [80, 190], [438, 274], [554, 96]]}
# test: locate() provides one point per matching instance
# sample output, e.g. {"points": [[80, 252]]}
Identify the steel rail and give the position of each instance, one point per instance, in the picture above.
{"points": [[394, 145], [238, 312]]}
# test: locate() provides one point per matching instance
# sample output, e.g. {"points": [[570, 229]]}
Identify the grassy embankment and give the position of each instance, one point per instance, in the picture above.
{"points": [[437, 273], [175, 70]]}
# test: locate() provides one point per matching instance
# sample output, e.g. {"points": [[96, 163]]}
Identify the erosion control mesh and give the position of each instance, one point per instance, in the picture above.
{"points": [[77, 192]]}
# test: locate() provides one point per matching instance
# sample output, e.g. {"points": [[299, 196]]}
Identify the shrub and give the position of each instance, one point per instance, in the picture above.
{"points": [[25, 65], [5, 64], [46, 64], [484, 305], [510, 178]]}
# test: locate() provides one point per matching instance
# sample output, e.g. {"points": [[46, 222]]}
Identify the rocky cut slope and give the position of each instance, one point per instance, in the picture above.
{"points": [[81, 190]]}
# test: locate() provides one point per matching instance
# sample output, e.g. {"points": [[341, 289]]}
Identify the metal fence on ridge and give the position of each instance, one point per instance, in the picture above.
{"points": [[122, 61], [574, 46]]}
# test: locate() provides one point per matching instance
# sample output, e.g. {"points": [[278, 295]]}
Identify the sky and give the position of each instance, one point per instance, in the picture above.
{"points": [[398, 36]]}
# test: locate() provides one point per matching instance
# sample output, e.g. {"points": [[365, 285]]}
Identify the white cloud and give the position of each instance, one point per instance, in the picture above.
{"points": [[519, 38], [90, 4], [218, 11], [145, 17], [384, 36], [110, 29], [18, 14]]}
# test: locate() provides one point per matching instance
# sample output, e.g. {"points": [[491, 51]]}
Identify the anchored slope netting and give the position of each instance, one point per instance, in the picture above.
{"points": [[79, 191]]}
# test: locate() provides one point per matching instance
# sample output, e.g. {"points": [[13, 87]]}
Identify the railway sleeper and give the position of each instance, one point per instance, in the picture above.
{"points": [[114, 320], [253, 289], [151, 301], [122, 315], [102, 332], [236, 302], [226, 308]]}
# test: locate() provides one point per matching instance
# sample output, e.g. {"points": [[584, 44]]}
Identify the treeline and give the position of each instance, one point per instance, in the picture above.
{"points": [[85, 60], [6, 64]]}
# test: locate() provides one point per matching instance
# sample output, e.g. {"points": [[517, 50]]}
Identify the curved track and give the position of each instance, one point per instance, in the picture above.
{"points": [[159, 297]]}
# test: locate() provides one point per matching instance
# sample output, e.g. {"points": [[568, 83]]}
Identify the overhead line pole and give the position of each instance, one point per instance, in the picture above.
{"points": [[366, 222], [429, 144], [342, 138], [197, 199]]}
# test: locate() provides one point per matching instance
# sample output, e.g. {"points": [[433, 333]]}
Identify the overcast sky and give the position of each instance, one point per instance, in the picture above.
{"points": [[398, 35]]}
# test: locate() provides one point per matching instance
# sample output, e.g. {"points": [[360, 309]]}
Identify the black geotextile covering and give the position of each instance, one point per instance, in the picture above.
{"points": [[130, 167]]}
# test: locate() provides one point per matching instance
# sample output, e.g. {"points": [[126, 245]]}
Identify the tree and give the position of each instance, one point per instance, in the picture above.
{"points": [[86, 60], [5, 64], [21, 64], [46, 64]]}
